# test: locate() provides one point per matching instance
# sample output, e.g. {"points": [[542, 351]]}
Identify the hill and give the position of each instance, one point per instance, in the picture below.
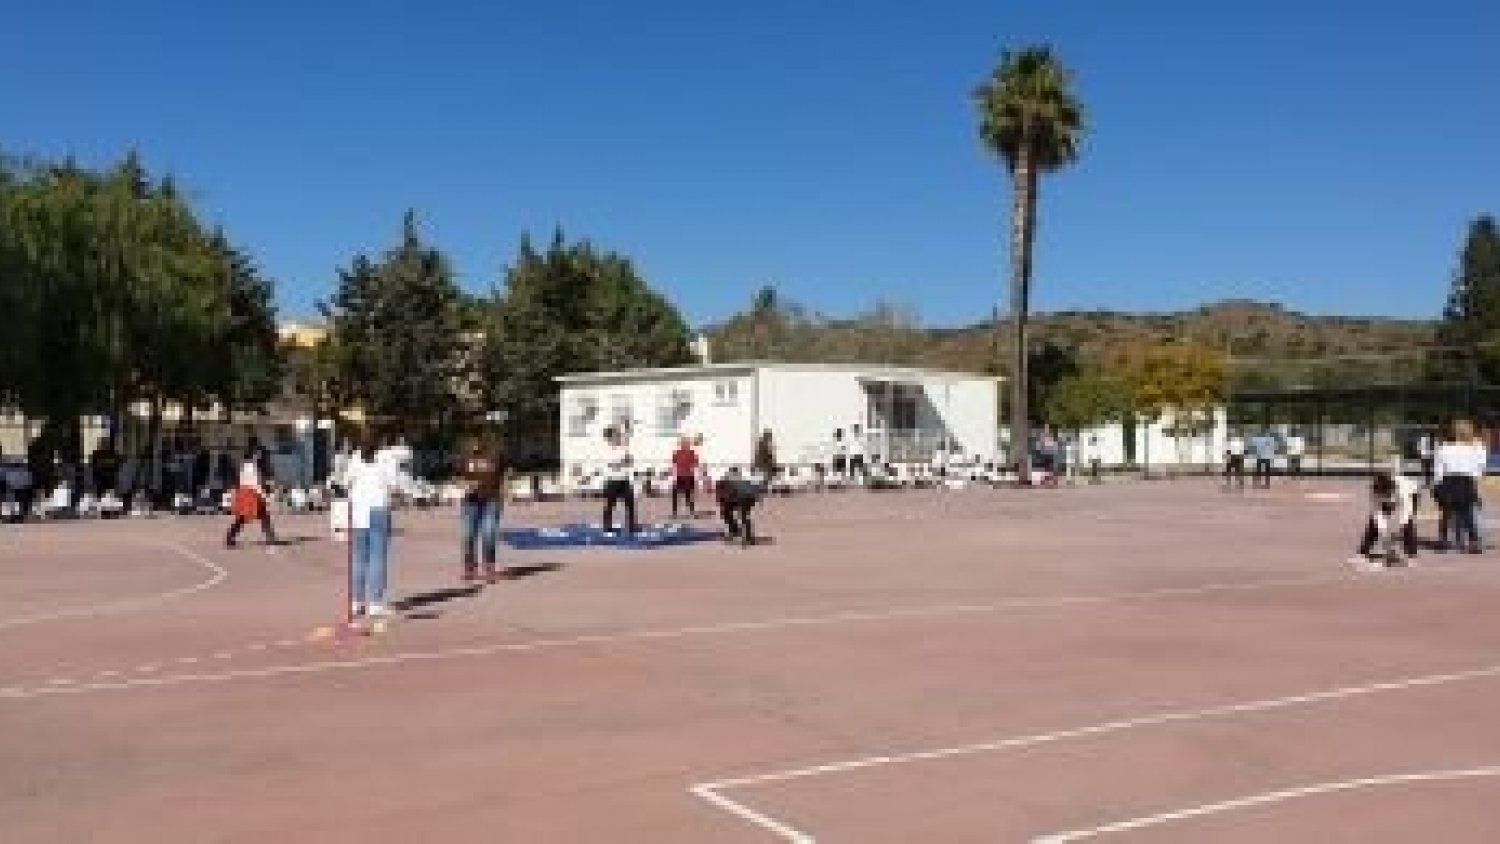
{"points": [[890, 334]]}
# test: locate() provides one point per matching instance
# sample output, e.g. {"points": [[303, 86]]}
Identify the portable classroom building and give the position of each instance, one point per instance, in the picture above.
{"points": [[904, 415]]}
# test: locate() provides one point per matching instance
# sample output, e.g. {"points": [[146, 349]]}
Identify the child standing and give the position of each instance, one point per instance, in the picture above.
{"points": [[370, 481], [684, 476]]}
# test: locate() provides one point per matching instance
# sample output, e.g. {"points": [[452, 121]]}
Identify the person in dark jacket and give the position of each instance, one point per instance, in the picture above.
{"points": [[737, 497]]}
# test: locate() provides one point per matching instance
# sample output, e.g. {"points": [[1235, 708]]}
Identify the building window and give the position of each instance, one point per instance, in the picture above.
{"points": [[726, 393], [621, 414], [585, 409], [672, 408]]}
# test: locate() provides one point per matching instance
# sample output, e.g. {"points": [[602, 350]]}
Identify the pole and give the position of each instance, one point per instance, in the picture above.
{"points": [[348, 559]]}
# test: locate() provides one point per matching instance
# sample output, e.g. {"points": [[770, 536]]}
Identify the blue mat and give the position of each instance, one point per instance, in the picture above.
{"points": [[590, 536]]}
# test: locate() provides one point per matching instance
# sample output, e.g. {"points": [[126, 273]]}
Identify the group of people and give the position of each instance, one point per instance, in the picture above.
{"points": [[735, 495], [1262, 448], [1451, 473], [366, 478]]}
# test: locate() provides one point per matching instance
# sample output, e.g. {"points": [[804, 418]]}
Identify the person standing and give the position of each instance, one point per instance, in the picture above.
{"points": [[763, 461], [1425, 457], [1234, 461], [484, 478], [684, 476], [617, 487], [838, 458], [857, 450], [1094, 455], [249, 502], [1458, 463], [1296, 447], [1263, 449], [370, 481]]}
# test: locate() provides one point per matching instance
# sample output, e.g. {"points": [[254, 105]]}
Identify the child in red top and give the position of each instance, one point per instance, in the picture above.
{"points": [[684, 476]]}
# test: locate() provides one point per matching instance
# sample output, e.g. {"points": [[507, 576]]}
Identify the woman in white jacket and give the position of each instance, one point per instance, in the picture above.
{"points": [[369, 482], [1458, 464]]}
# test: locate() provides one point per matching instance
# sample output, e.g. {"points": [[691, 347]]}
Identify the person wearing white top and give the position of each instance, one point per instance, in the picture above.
{"points": [[857, 464], [1295, 448], [617, 487], [1393, 504], [1424, 456], [370, 482], [1457, 465]]}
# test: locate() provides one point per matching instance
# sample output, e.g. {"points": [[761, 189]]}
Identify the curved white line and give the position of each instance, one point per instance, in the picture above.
{"points": [[217, 575], [1263, 799]]}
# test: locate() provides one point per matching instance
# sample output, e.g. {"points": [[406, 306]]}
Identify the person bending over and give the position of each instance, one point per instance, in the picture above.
{"points": [[737, 497], [1390, 526]]}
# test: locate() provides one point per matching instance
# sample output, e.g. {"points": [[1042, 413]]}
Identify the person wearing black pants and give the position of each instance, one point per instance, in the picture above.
{"points": [[684, 477], [737, 497], [617, 486]]}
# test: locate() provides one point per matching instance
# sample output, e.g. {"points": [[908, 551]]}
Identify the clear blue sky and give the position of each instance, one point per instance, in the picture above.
{"points": [[1326, 154]]}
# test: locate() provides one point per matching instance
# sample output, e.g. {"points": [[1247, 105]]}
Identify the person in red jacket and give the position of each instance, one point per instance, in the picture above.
{"points": [[684, 476]]}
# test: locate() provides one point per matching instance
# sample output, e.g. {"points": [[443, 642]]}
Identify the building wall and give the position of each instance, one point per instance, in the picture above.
{"points": [[1155, 447], [718, 409], [800, 406]]}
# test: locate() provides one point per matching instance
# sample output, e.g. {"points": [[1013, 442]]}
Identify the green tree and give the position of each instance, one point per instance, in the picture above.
{"points": [[1087, 399], [1183, 384], [396, 327], [571, 308], [1471, 319], [1030, 117]]}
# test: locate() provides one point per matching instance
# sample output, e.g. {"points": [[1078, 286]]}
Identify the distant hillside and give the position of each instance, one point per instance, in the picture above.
{"points": [[889, 335]]}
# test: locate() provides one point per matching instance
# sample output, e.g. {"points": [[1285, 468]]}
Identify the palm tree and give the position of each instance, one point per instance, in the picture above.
{"points": [[1029, 117]]}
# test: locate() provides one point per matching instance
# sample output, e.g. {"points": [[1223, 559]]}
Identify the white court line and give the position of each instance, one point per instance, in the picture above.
{"points": [[713, 791], [217, 575], [678, 633], [1264, 799]]}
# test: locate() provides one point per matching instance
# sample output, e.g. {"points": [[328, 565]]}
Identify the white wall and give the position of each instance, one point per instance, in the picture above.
{"points": [[1163, 449], [725, 426], [803, 407], [800, 406]]}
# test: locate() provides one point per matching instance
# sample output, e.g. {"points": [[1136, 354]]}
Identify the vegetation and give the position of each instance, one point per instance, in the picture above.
{"points": [[1030, 118], [572, 308], [396, 339], [114, 292], [1470, 329]]}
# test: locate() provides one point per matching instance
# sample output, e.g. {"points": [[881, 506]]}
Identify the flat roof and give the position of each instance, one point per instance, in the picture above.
{"points": [[866, 371]]}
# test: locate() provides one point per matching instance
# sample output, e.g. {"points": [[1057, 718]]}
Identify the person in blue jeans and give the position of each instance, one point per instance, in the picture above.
{"points": [[483, 475], [370, 481]]}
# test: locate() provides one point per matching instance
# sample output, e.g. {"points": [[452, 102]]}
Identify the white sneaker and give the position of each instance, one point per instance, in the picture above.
{"points": [[1359, 562], [356, 609], [379, 611]]}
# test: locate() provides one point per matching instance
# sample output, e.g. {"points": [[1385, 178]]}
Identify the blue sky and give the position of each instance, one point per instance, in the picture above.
{"points": [[1328, 155]]}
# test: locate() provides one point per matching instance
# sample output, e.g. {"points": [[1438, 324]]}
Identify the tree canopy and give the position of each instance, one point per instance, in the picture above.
{"points": [[569, 308], [114, 291]]}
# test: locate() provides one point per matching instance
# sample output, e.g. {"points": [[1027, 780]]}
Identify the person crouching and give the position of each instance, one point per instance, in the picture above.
{"points": [[1392, 507], [737, 496]]}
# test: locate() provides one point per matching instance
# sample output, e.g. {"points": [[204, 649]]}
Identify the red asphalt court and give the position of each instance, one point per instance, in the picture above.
{"points": [[1134, 662]]}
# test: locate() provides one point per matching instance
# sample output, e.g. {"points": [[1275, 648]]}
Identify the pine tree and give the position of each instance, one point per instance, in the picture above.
{"points": [[398, 335], [1471, 319]]}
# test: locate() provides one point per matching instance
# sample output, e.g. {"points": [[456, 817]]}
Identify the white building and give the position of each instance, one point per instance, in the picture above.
{"points": [[904, 414]]}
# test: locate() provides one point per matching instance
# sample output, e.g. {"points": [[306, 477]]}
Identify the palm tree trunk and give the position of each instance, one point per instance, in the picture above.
{"points": [[1023, 210]]}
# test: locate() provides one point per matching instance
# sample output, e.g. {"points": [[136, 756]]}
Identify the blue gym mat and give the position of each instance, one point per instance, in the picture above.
{"points": [[590, 536]]}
